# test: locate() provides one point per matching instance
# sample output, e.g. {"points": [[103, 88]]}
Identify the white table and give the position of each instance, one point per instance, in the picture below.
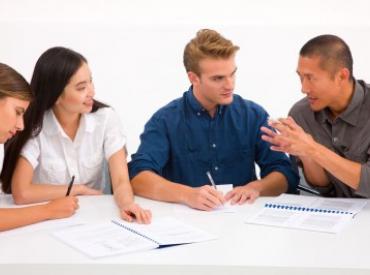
{"points": [[241, 248]]}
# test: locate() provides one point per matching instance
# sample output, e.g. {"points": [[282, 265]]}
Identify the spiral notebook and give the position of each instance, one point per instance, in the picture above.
{"points": [[329, 215], [117, 236]]}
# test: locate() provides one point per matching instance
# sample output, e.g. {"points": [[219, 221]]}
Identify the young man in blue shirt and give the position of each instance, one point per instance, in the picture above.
{"points": [[208, 129]]}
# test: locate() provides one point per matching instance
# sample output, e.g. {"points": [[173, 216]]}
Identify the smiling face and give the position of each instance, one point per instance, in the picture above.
{"points": [[321, 87], [215, 84], [78, 94], [11, 116]]}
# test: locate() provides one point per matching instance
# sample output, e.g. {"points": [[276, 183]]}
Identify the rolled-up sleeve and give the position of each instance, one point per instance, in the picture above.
{"points": [[153, 152], [272, 161], [364, 185]]}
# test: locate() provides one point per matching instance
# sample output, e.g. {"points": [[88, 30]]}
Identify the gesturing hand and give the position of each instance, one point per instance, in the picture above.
{"points": [[289, 138]]}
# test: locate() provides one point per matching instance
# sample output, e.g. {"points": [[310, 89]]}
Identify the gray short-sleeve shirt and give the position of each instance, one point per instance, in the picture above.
{"points": [[348, 136]]}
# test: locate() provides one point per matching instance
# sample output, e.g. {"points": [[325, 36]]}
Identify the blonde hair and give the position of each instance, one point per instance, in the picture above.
{"points": [[12, 84], [207, 43]]}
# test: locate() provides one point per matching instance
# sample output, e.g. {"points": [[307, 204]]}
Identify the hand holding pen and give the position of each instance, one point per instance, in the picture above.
{"points": [[211, 180], [70, 186]]}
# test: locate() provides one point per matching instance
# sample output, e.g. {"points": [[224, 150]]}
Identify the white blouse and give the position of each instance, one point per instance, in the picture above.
{"points": [[55, 158]]}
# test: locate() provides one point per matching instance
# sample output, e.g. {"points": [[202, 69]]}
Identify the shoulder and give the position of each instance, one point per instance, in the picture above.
{"points": [[104, 114], [300, 108], [247, 106], [170, 110]]}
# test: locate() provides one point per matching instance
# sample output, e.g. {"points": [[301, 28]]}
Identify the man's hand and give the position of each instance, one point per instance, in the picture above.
{"points": [[205, 198], [290, 138], [242, 194]]}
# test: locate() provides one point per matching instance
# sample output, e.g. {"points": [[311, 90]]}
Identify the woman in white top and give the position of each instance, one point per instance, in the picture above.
{"points": [[69, 135], [15, 95]]}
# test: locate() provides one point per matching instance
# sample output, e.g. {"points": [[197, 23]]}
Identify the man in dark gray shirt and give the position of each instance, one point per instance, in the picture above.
{"points": [[328, 131]]}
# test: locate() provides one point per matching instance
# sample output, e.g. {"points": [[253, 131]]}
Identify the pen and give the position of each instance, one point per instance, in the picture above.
{"points": [[70, 186], [308, 190], [211, 179]]}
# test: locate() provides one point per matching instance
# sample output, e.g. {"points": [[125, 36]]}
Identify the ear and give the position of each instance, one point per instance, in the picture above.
{"points": [[343, 74], [193, 78]]}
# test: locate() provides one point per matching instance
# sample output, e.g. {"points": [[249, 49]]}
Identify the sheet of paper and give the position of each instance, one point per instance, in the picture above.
{"points": [[169, 231], [104, 239], [307, 212]]}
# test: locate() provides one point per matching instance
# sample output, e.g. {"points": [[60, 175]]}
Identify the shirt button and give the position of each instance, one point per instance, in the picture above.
{"points": [[216, 168], [214, 145], [198, 114], [335, 139]]}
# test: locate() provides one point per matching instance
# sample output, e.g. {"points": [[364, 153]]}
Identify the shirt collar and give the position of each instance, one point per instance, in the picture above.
{"points": [[51, 125], [352, 112], [195, 105]]}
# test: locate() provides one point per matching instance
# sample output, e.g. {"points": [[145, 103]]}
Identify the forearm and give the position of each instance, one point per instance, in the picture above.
{"points": [[273, 184], [150, 185], [35, 192], [123, 194], [314, 173], [15, 217], [345, 170]]}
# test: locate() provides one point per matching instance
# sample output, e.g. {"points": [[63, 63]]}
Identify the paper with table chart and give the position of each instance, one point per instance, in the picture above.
{"points": [[329, 215], [118, 236], [226, 208]]}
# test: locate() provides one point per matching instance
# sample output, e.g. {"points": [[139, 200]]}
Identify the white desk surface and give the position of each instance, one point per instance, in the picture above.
{"points": [[241, 247]]}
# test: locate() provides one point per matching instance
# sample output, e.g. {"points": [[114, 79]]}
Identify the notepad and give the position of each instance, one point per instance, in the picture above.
{"points": [[118, 236], [329, 215]]}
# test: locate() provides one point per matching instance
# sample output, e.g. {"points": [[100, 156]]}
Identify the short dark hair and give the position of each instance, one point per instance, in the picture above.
{"points": [[332, 50]]}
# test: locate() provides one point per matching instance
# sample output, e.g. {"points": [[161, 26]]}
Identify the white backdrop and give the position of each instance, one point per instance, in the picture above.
{"points": [[135, 48]]}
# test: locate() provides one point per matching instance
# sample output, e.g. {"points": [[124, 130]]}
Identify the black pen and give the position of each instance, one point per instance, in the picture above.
{"points": [[308, 190], [70, 186]]}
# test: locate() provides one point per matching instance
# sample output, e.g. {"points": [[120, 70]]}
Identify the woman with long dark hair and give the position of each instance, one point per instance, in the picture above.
{"points": [[15, 95], [69, 136]]}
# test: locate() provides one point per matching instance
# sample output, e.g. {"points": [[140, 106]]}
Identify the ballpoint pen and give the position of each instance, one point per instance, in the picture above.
{"points": [[70, 186], [308, 190], [211, 179]]}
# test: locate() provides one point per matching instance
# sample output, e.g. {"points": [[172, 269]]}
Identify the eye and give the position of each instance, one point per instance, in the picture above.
{"points": [[218, 78], [81, 88]]}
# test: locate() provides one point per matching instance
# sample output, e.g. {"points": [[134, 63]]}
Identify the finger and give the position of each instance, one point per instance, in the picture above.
{"points": [[268, 131], [291, 123], [229, 195], [126, 216], [214, 196], [236, 198], [147, 216], [252, 197], [284, 149], [139, 216], [243, 198], [207, 205]]}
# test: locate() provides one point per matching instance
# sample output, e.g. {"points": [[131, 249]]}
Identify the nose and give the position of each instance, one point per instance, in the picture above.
{"points": [[92, 90], [20, 124], [305, 89], [229, 83]]}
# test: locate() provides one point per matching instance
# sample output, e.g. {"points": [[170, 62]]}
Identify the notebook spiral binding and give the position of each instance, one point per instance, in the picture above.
{"points": [[305, 209], [134, 231]]}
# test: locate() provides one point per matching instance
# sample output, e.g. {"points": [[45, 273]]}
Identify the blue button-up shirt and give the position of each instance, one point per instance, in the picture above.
{"points": [[181, 142]]}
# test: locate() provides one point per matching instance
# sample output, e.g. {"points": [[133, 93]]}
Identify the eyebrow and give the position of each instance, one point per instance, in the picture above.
{"points": [[219, 75], [21, 109], [81, 83]]}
